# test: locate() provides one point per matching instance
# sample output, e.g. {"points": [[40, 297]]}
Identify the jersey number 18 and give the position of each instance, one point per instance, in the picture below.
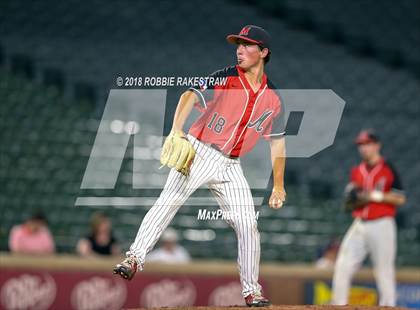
{"points": [[218, 127]]}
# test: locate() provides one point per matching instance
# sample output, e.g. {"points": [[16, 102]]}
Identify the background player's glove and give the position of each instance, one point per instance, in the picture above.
{"points": [[177, 152], [354, 197]]}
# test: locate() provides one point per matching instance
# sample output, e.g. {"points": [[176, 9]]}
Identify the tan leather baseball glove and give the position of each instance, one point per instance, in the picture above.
{"points": [[177, 152]]}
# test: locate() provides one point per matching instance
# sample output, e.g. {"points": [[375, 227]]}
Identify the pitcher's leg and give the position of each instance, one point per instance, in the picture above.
{"points": [[159, 216], [177, 190], [350, 256], [249, 252], [234, 196]]}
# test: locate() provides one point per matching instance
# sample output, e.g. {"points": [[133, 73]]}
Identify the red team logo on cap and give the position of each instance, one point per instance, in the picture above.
{"points": [[244, 31]]}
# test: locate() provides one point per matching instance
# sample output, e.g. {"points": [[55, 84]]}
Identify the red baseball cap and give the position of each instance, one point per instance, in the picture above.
{"points": [[366, 136], [253, 34]]}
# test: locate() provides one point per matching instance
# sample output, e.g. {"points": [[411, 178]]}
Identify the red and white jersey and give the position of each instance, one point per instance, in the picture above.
{"points": [[382, 177], [233, 116]]}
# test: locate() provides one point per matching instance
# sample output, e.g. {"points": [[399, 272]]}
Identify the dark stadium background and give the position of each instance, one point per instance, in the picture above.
{"points": [[59, 60]]}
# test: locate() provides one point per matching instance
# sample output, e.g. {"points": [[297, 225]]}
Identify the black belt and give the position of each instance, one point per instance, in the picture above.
{"points": [[214, 146]]}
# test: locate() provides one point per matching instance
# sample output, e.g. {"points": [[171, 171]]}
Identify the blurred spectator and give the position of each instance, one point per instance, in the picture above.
{"points": [[170, 251], [328, 256], [100, 241], [32, 237]]}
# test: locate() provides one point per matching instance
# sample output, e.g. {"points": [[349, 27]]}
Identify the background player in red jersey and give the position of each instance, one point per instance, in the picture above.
{"points": [[378, 193], [234, 117]]}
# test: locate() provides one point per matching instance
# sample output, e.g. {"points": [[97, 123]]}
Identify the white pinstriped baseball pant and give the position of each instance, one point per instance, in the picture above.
{"points": [[225, 179]]}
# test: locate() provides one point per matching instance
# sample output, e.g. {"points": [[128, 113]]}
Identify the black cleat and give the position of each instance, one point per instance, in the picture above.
{"points": [[127, 268], [256, 300]]}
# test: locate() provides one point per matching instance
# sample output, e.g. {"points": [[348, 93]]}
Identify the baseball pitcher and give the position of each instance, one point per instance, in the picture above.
{"points": [[234, 116]]}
